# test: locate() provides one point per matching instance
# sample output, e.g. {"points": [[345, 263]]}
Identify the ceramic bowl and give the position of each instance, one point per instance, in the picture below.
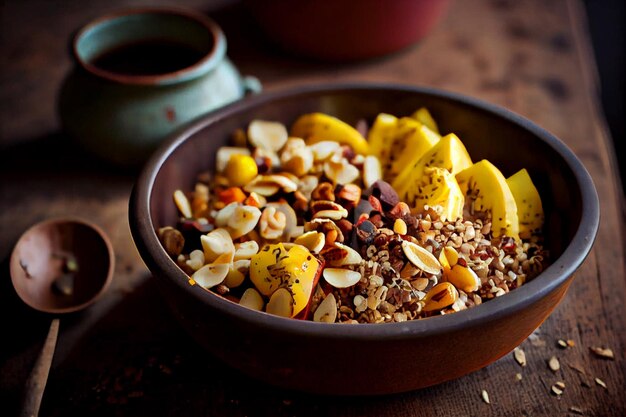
{"points": [[346, 30], [368, 358]]}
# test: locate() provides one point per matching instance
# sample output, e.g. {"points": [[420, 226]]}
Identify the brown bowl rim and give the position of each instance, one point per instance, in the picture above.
{"points": [[551, 278]]}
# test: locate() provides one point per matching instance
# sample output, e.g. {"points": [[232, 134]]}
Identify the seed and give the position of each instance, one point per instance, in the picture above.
{"points": [[560, 385], [399, 226], [464, 278], [520, 356], [554, 364], [556, 390], [182, 202], [577, 410], [485, 396], [440, 296], [600, 382], [604, 353], [518, 376], [571, 343], [562, 344]]}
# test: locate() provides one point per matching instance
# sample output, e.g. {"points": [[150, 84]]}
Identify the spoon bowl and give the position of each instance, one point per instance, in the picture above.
{"points": [[61, 248]]}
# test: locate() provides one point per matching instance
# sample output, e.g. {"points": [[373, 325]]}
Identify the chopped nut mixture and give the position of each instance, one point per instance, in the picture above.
{"points": [[320, 223]]}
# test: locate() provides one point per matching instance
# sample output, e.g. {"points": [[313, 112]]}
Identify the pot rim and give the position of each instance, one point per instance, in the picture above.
{"points": [[549, 280], [205, 64]]}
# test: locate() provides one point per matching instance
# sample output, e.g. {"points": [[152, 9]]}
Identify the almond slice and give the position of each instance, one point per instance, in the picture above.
{"points": [[267, 135], [281, 303], [327, 310], [421, 258], [252, 299], [211, 275], [216, 243], [182, 202], [313, 241], [341, 278], [352, 256], [372, 171], [246, 250]]}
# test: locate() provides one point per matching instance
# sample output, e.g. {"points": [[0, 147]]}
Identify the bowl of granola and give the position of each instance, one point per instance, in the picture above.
{"points": [[397, 236]]}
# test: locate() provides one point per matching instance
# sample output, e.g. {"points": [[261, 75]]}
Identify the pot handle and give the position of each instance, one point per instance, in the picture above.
{"points": [[251, 85]]}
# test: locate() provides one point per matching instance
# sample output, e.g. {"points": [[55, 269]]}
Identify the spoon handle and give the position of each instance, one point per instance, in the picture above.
{"points": [[36, 383]]}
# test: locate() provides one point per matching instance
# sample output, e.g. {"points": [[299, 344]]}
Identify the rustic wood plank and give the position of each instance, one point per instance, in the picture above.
{"points": [[127, 356]]}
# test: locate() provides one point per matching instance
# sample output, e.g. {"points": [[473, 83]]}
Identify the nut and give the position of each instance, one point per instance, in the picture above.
{"points": [[341, 172], [326, 312], [255, 200], [267, 135], [323, 191], [341, 278], [324, 149], [173, 241], [266, 160], [196, 259], [211, 275], [182, 202], [328, 209], [291, 220], [224, 153], [245, 250], [296, 157], [421, 257], [313, 241], [440, 296], [272, 223], [217, 243], [281, 303], [372, 171], [348, 195], [252, 299], [307, 184], [237, 273], [200, 201], [399, 227], [243, 220], [268, 185], [463, 278], [339, 255]]}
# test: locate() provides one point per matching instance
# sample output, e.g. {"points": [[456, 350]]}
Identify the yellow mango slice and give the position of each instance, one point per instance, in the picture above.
{"points": [[381, 135], [423, 116], [275, 267], [317, 127], [437, 187], [448, 153], [485, 187], [416, 143], [528, 201]]}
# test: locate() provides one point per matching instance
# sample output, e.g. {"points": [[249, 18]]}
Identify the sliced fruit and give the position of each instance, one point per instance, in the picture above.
{"points": [[416, 143], [381, 135], [423, 115], [463, 278], [437, 188], [276, 267], [317, 127], [448, 153], [240, 169], [486, 190], [440, 296], [528, 201]]}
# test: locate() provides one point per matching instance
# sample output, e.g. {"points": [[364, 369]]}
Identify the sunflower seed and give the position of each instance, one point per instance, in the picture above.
{"points": [[554, 364], [520, 356]]}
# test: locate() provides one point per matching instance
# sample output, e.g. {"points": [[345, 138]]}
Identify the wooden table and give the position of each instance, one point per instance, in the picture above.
{"points": [[126, 355]]}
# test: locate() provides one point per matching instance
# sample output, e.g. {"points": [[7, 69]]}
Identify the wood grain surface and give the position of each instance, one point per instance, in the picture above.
{"points": [[126, 356]]}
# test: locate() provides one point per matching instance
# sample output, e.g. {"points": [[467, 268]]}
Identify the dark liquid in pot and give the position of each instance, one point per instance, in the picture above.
{"points": [[151, 57]]}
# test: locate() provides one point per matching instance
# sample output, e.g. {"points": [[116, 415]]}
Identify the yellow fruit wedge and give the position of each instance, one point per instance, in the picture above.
{"points": [[437, 188], [317, 127], [486, 189], [273, 268], [423, 116], [381, 135], [529, 208], [448, 153], [416, 143]]}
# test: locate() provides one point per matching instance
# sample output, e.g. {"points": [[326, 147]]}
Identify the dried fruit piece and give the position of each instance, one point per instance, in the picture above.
{"points": [[463, 277], [224, 154], [529, 208], [317, 127], [486, 189], [440, 296], [341, 278], [313, 241], [173, 241], [267, 135], [399, 227], [437, 187], [252, 299], [240, 169], [231, 195], [421, 257], [423, 115], [326, 312]]}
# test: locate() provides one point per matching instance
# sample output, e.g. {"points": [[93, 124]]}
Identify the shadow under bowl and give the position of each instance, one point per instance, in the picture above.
{"points": [[382, 358]]}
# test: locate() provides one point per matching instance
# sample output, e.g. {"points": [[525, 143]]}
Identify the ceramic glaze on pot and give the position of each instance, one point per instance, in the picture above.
{"points": [[140, 75]]}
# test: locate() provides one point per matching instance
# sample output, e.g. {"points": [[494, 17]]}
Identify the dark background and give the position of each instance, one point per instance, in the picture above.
{"points": [[606, 23]]}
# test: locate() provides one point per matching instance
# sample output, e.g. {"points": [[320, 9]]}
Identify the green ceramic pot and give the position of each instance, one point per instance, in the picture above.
{"points": [[140, 75]]}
